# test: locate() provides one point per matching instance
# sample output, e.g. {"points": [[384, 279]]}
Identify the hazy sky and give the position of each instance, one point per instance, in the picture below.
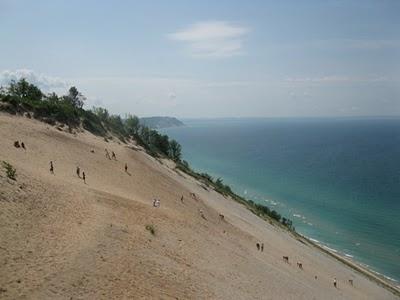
{"points": [[210, 58]]}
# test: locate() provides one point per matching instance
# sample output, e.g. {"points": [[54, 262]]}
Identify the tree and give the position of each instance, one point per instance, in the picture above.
{"points": [[186, 164], [275, 215], [207, 176], [175, 150], [75, 97], [102, 113], [52, 97], [116, 125], [159, 141], [2, 91], [219, 183], [144, 133], [132, 125], [25, 90]]}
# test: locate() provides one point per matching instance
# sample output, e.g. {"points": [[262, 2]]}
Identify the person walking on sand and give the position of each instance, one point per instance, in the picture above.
{"points": [[84, 177], [113, 155], [107, 154], [182, 199], [51, 167], [335, 282], [126, 168], [156, 202], [78, 171]]}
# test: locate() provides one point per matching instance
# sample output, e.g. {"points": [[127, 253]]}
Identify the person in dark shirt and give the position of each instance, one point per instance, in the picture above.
{"points": [[51, 167]]}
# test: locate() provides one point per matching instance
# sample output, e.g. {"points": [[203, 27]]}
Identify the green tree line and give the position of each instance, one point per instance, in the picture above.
{"points": [[21, 97]]}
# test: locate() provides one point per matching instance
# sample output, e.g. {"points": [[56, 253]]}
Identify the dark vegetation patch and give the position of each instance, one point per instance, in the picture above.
{"points": [[224, 189], [11, 172]]}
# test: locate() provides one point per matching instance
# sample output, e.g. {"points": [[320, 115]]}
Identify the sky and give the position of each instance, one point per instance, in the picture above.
{"points": [[210, 58]]}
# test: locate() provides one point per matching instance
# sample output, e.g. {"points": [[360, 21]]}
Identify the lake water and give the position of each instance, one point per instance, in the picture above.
{"points": [[338, 180]]}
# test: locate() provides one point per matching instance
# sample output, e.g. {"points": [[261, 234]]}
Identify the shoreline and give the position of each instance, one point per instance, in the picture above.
{"points": [[347, 259], [100, 246], [351, 259], [379, 278], [366, 271], [382, 263]]}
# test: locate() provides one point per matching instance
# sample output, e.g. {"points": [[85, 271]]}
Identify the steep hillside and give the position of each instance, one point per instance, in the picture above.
{"points": [[62, 238]]}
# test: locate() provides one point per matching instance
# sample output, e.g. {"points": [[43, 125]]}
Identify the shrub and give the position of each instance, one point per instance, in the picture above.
{"points": [[224, 189], [92, 123], [132, 125], [185, 164], [11, 172], [206, 176], [116, 125], [101, 113], [175, 150], [13, 100]]}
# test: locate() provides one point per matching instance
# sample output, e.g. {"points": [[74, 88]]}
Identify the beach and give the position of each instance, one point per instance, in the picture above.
{"points": [[61, 238], [335, 178]]}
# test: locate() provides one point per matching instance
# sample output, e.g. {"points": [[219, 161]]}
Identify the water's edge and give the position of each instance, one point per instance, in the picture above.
{"points": [[212, 157]]}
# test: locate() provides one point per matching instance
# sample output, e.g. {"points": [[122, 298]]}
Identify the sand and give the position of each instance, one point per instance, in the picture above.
{"points": [[63, 239]]}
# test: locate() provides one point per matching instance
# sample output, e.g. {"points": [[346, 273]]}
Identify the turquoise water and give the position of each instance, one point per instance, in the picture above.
{"points": [[337, 179]]}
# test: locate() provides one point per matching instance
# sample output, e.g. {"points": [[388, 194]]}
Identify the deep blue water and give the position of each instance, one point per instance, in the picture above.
{"points": [[337, 179]]}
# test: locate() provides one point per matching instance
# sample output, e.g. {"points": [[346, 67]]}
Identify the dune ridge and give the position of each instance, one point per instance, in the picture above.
{"points": [[63, 239]]}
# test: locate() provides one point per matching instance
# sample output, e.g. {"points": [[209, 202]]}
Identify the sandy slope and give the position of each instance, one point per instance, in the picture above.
{"points": [[63, 239]]}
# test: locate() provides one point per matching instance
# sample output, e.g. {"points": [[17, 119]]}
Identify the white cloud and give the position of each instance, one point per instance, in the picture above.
{"points": [[212, 39], [42, 81]]}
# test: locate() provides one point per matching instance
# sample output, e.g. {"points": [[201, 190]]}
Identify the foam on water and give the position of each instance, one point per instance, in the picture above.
{"points": [[329, 248], [342, 174]]}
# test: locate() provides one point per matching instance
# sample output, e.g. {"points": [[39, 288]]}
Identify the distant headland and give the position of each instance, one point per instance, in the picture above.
{"points": [[161, 122]]}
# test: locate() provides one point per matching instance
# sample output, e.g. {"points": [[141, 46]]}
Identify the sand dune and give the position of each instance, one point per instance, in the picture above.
{"points": [[63, 239]]}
